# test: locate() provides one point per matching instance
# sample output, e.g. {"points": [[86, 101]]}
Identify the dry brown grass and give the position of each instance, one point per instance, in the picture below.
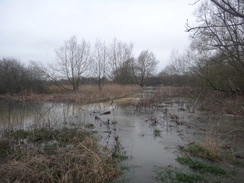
{"points": [[85, 162], [86, 94], [211, 146]]}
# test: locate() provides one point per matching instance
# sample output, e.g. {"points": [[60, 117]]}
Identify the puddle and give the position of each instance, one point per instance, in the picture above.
{"points": [[134, 126]]}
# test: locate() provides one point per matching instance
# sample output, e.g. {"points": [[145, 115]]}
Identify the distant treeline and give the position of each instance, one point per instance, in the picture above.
{"points": [[17, 78]]}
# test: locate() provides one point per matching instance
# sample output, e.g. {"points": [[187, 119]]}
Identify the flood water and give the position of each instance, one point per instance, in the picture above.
{"points": [[134, 126]]}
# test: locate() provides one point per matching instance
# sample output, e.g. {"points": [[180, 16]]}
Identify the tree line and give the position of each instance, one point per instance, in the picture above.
{"points": [[18, 78], [76, 63], [113, 62], [214, 60]]}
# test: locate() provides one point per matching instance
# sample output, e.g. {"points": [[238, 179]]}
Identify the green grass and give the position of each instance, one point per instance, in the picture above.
{"points": [[89, 125], [5, 148], [176, 176], [157, 133], [119, 156], [230, 157], [200, 151], [201, 166], [124, 167], [21, 134]]}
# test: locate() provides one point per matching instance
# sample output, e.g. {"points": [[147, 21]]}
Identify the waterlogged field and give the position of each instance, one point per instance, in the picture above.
{"points": [[158, 137]]}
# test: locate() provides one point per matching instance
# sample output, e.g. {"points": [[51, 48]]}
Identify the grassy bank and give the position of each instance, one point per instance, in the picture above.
{"points": [[85, 94], [55, 156]]}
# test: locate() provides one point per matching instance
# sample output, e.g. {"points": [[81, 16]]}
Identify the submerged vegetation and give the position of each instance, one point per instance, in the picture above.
{"points": [[208, 152], [49, 155], [156, 133], [170, 174], [199, 172], [201, 166], [71, 153]]}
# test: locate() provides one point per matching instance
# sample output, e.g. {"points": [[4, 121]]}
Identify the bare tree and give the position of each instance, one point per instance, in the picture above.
{"points": [[124, 74], [73, 61], [220, 30], [119, 52], [100, 62], [231, 7], [144, 67]]}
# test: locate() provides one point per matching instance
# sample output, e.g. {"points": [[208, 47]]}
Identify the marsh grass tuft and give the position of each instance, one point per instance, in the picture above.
{"points": [[89, 125], [206, 150], [232, 157], [157, 133], [173, 175], [53, 156], [5, 148], [201, 166], [117, 152]]}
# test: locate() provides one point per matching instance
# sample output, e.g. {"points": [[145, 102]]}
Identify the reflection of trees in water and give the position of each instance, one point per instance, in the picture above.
{"points": [[15, 114]]}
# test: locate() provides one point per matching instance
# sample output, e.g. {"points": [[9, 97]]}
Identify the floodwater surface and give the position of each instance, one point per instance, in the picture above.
{"points": [[150, 136]]}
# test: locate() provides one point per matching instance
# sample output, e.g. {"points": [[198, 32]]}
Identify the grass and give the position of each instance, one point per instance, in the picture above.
{"points": [[85, 94], [53, 156], [89, 125], [230, 156], [201, 166], [117, 151], [5, 148], [209, 151], [157, 133], [199, 172], [172, 175]]}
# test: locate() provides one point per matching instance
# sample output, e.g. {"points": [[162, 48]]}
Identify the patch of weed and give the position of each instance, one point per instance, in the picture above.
{"points": [[201, 151], [201, 166], [232, 157], [157, 133], [71, 135], [120, 156], [5, 148], [42, 134], [42, 159], [89, 125], [117, 152], [20, 134], [176, 176], [124, 167], [51, 149]]}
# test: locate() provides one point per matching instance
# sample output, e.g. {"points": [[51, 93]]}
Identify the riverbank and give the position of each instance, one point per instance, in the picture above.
{"points": [[85, 94]]}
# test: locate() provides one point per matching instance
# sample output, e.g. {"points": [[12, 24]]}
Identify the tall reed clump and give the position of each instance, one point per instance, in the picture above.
{"points": [[55, 156]]}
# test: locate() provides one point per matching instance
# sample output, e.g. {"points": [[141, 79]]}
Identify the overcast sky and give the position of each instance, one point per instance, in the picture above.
{"points": [[33, 29]]}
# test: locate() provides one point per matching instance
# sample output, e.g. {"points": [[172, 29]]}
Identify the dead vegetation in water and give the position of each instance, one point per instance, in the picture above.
{"points": [[55, 156], [86, 94]]}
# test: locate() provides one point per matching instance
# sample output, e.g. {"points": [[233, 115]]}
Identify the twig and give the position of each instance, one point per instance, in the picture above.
{"points": [[193, 107], [97, 157]]}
